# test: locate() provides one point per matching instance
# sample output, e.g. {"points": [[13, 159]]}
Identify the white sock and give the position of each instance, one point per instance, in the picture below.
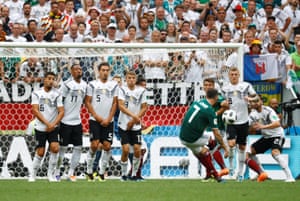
{"points": [[74, 160], [231, 157], [62, 151], [124, 166], [90, 160], [35, 164], [52, 163], [135, 165], [241, 158], [283, 165], [105, 156]]}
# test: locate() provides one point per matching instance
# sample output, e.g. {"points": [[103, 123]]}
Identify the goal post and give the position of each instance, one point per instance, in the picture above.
{"points": [[168, 99]]}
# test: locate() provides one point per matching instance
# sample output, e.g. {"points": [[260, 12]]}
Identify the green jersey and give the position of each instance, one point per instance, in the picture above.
{"points": [[199, 116], [216, 107]]}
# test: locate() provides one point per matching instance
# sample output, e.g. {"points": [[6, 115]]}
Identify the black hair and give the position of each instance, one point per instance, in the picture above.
{"points": [[211, 93]]}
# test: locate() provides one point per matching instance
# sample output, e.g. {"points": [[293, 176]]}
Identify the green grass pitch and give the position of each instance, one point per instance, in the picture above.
{"points": [[149, 190]]}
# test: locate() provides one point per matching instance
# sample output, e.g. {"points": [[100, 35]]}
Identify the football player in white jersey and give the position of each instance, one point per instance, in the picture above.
{"points": [[132, 104], [236, 93], [48, 109], [265, 119], [73, 92], [101, 102]]}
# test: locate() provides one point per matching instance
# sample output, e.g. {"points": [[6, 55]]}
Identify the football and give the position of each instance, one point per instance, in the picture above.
{"points": [[229, 116]]}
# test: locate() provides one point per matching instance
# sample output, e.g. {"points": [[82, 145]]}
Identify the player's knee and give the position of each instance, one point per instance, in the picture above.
{"points": [[275, 152], [106, 146], [54, 147], [40, 151]]}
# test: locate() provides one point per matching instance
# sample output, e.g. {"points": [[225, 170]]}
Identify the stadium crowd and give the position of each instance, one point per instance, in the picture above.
{"points": [[263, 27]]}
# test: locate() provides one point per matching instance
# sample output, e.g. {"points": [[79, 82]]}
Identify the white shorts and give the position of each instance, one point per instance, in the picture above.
{"points": [[198, 145]]}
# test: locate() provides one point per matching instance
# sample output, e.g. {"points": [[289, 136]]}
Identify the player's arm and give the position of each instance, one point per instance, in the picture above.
{"points": [[88, 104], [274, 124], [36, 112], [112, 112], [57, 120], [125, 110], [143, 110]]}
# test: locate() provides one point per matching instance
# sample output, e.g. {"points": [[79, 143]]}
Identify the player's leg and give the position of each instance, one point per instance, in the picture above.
{"points": [[143, 152], [76, 140], [258, 147], [41, 139], [64, 139], [125, 153], [106, 139], [231, 140], [276, 154], [95, 139], [241, 140], [54, 149]]}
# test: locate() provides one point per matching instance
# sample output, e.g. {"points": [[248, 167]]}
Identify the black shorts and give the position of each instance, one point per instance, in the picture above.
{"points": [[130, 137], [263, 144], [98, 132], [42, 137], [238, 132], [69, 134]]}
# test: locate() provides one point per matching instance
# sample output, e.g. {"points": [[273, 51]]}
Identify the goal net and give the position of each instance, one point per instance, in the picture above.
{"points": [[174, 74]]}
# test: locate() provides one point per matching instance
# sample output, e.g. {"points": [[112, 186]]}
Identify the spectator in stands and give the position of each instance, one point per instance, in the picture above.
{"points": [[213, 35], [171, 33], [40, 10], [120, 14], [111, 33], [178, 16], [226, 36], [144, 30], [160, 22], [59, 35], [296, 60], [292, 10], [82, 28], [121, 31], [47, 21], [132, 33], [104, 21], [204, 35], [31, 27], [104, 7], [284, 61], [133, 10], [31, 71], [69, 11], [221, 20], [15, 9], [94, 32], [150, 15], [163, 36], [73, 35], [248, 38], [282, 19], [16, 36], [5, 19], [251, 12], [86, 5], [26, 15], [2, 32], [50, 36]]}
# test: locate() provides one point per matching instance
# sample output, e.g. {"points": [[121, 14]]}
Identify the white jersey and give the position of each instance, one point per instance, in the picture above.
{"points": [[73, 94], [133, 100], [236, 94], [102, 96], [48, 103], [266, 116]]}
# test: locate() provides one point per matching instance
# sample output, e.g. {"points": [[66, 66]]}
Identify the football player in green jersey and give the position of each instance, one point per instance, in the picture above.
{"points": [[199, 116]]}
